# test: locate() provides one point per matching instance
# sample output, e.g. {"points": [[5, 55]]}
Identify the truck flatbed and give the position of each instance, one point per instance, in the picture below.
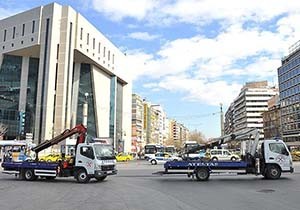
{"points": [[30, 165], [203, 168], [218, 165]]}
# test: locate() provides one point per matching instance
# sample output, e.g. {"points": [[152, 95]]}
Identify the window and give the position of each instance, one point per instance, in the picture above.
{"points": [[23, 29], [278, 148], [99, 46], [4, 36], [33, 26], [108, 55], [113, 59], [14, 32], [81, 31], [88, 39], [87, 152], [94, 43], [104, 51]]}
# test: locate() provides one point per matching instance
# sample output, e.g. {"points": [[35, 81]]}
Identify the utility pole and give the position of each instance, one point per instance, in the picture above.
{"points": [[222, 120]]}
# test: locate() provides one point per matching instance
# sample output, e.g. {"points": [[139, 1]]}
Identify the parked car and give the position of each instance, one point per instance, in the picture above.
{"points": [[51, 158], [123, 157], [222, 155], [163, 157], [295, 155]]}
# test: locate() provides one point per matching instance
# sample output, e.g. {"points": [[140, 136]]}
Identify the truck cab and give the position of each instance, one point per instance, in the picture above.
{"points": [[275, 158], [94, 160]]}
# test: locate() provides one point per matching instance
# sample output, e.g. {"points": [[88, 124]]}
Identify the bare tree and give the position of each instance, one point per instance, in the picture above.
{"points": [[3, 129], [196, 135]]}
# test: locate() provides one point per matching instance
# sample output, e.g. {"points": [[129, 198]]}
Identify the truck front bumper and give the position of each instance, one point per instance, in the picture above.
{"points": [[105, 173]]}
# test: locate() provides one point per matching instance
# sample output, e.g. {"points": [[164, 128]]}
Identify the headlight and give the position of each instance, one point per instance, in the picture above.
{"points": [[97, 167]]}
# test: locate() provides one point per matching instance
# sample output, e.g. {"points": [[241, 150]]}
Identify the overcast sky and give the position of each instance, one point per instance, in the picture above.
{"points": [[191, 55]]}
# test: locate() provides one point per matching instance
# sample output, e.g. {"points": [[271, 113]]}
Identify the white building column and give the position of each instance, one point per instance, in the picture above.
{"points": [[75, 91], [101, 85], [23, 85]]}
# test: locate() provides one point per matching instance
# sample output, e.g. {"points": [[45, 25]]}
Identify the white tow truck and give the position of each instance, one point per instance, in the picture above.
{"points": [[270, 159]]}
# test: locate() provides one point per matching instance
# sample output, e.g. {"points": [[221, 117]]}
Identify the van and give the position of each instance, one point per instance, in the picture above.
{"points": [[222, 155]]}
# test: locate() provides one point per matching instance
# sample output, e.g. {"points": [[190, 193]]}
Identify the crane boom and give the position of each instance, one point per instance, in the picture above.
{"points": [[80, 129], [239, 136]]}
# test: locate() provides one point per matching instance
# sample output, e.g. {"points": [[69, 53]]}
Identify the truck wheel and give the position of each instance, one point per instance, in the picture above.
{"points": [[82, 176], [214, 159], [153, 162], [100, 178], [202, 174], [29, 175], [273, 172]]}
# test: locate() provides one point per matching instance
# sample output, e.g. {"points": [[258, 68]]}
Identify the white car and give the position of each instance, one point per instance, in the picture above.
{"points": [[163, 157], [222, 155]]}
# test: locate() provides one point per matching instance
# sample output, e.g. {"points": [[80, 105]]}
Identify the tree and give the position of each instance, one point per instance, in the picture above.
{"points": [[196, 135], [3, 130]]}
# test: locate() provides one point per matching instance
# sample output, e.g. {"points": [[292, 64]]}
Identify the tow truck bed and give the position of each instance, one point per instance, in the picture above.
{"points": [[9, 166], [187, 165]]}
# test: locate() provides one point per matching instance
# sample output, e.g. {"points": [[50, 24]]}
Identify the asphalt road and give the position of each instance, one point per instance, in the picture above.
{"points": [[135, 188]]}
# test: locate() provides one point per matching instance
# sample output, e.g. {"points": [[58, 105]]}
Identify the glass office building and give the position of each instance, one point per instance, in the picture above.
{"points": [[289, 87]]}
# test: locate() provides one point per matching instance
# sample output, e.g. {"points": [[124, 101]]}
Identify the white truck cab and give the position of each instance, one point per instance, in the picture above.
{"points": [[276, 152], [94, 160]]}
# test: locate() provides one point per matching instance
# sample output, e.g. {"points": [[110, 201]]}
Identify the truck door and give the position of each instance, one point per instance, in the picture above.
{"points": [[85, 158], [276, 152]]}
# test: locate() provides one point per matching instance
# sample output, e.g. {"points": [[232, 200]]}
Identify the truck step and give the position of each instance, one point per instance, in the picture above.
{"points": [[11, 172], [40, 172]]}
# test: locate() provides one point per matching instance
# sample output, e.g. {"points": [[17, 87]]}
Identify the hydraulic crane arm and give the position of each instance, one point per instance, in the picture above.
{"points": [[239, 136], [78, 129]]}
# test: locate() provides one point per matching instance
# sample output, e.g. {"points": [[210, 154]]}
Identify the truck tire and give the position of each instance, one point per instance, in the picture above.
{"points": [[202, 174], [29, 175], [273, 172], [82, 176], [100, 178]]}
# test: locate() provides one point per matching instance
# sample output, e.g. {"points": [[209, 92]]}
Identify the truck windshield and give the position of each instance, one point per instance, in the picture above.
{"points": [[104, 152]]}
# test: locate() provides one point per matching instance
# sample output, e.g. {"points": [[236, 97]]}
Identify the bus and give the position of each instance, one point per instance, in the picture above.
{"points": [[14, 150], [193, 150], [170, 149], [151, 149]]}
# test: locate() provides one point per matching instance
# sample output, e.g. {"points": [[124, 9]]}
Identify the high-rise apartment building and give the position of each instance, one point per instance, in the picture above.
{"points": [[271, 119], [289, 93], [246, 110], [160, 131], [228, 124], [178, 133], [52, 62], [138, 141]]}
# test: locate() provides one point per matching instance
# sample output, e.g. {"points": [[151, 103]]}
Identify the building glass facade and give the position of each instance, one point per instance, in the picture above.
{"points": [[119, 113], [10, 80], [31, 95], [112, 107], [85, 86], [289, 88]]}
